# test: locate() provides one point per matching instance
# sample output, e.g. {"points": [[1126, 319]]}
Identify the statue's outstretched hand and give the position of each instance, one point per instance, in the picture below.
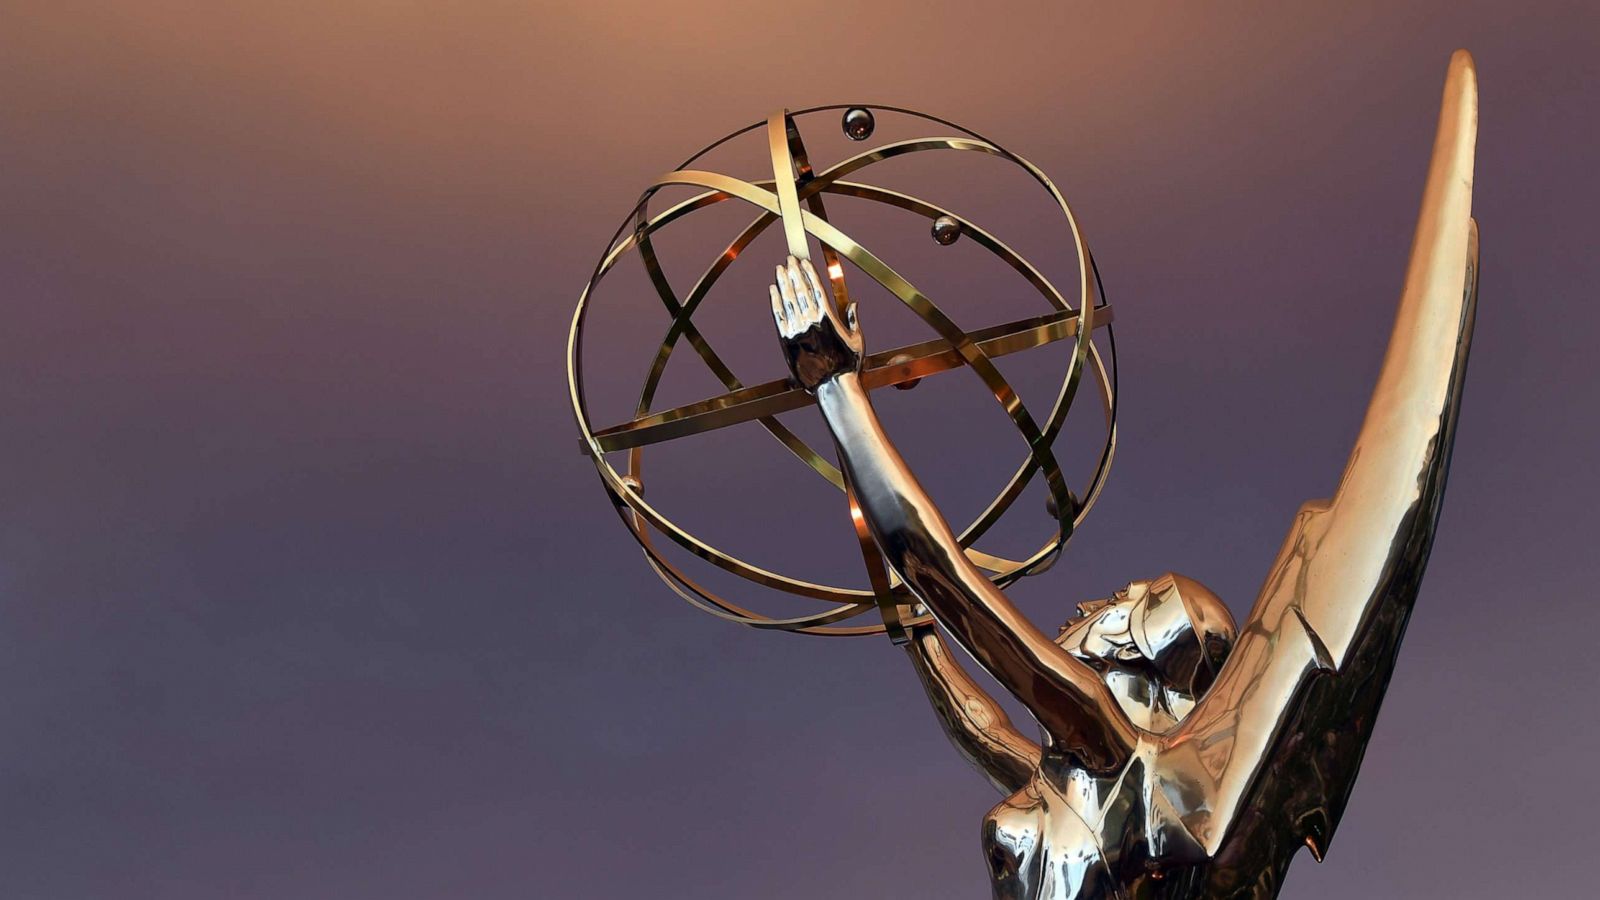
{"points": [[817, 342]]}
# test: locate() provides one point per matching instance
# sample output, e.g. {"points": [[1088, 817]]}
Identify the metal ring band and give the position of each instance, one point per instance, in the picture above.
{"points": [[682, 326]]}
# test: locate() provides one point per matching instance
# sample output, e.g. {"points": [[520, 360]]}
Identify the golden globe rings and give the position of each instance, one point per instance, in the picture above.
{"points": [[779, 200]]}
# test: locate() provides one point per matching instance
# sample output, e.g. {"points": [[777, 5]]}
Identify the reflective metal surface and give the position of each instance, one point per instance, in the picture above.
{"points": [[1179, 759], [794, 200]]}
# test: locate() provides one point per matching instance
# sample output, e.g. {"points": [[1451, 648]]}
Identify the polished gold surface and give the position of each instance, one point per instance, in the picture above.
{"points": [[794, 198], [884, 369], [1181, 758]]}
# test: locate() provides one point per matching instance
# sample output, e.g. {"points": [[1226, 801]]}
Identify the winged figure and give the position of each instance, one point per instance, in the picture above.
{"points": [[1181, 756]]}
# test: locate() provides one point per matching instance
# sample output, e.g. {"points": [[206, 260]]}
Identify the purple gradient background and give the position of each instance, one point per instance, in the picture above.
{"points": [[304, 592]]}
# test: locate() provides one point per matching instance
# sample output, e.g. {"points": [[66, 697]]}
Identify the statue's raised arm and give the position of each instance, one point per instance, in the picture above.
{"points": [[1274, 746], [1182, 757], [977, 725], [824, 349]]}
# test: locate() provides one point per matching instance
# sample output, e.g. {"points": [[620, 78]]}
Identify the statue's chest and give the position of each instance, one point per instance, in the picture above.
{"points": [[1067, 837], [1038, 847]]}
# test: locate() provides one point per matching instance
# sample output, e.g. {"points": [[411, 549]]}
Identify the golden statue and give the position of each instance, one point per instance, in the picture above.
{"points": [[1181, 757]]}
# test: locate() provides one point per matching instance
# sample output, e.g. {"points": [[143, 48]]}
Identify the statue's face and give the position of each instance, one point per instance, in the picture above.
{"points": [[1103, 636], [1142, 640]]}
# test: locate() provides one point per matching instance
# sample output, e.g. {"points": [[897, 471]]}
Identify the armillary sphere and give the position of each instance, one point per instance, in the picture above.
{"points": [[795, 199]]}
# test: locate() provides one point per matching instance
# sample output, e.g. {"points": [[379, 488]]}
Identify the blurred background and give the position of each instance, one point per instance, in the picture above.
{"points": [[305, 591]]}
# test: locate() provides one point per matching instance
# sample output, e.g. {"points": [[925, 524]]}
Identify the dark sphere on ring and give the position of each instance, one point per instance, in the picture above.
{"points": [[946, 229], [859, 123], [621, 450]]}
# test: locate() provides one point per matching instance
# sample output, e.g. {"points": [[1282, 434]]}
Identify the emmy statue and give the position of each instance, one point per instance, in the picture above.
{"points": [[1181, 756]]}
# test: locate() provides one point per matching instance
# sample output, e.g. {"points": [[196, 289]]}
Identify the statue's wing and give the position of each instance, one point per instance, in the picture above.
{"points": [[1270, 753]]}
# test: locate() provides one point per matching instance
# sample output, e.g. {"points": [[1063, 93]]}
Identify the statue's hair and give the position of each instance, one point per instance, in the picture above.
{"points": [[1194, 664]]}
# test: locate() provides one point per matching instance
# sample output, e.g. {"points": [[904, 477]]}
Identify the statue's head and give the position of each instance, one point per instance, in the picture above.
{"points": [[1158, 645]]}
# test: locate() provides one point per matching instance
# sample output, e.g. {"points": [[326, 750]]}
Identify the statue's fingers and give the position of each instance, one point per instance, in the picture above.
{"points": [[814, 287], [798, 285], [777, 310], [802, 292], [787, 290], [825, 307]]}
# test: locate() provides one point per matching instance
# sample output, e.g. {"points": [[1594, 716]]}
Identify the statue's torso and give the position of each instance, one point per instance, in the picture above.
{"points": [[1067, 836], [1039, 848]]}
